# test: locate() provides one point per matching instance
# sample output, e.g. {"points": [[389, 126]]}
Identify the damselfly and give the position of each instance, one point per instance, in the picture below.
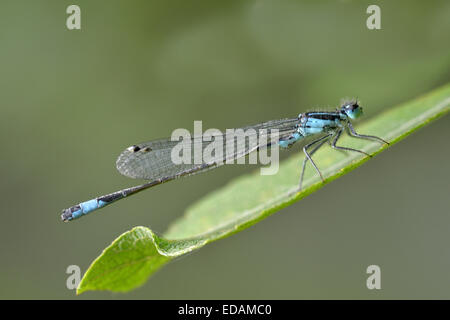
{"points": [[152, 160]]}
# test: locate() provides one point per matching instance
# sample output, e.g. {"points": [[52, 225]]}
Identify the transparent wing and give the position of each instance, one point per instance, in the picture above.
{"points": [[153, 160]]}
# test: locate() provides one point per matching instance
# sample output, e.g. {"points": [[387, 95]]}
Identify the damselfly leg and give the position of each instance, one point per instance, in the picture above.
{"points": [[308, 156], [333, 139], [352, 132], [334, 146], [305, 160]]}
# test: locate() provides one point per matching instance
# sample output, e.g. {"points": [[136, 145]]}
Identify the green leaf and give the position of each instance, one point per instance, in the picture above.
{"points": [[135, 255], [131, 259]]}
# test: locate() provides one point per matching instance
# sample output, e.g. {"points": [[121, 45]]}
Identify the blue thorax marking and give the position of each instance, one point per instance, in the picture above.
{"points": [[311, 123], [317, 122]]}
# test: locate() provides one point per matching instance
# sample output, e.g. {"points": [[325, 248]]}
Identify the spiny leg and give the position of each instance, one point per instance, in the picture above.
{"points": [[308, 156], [340, 150], [353, 133], [334, 146], [305, 160]]}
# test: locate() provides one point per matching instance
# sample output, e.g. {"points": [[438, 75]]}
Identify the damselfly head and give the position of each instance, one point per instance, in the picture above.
{"points": [[351, 109]]}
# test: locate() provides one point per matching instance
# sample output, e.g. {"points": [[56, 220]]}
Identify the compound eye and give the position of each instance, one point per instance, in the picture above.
{"points": [[354, 111], [352, 107]]}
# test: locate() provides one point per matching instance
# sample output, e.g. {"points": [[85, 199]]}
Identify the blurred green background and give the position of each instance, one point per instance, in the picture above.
{"points": [[71, 101]]}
